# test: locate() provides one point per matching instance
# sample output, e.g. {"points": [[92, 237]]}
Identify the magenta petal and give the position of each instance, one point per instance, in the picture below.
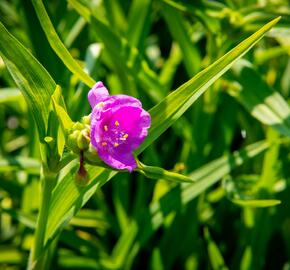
{"points": [[113, 103], [118, 101], [119, 162], [97, 94]]}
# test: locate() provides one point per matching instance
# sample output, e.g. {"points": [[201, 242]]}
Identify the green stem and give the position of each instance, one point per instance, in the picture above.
{"points": [[48, 183]]}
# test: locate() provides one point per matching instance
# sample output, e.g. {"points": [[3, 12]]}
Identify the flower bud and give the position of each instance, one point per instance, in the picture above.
{"points": [[77, 126], [83, 140], [86, 120], [72, 141], [79, 141], [79, 136]]}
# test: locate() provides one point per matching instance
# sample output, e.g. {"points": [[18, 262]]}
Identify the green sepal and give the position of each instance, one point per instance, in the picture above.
{"points": [[160, 173]]}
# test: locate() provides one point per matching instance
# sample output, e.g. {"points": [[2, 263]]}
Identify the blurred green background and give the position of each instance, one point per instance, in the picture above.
{"points": [[228, 221]]}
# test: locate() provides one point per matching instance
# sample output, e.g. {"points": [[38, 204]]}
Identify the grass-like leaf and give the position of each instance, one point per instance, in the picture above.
{"points": [[26, 164], [177, 27], [57, 44], [204, 177], [256, 203], [215, 256], [128, 57], [150, 220], [30, 76], [265, 104], [174, 105]]}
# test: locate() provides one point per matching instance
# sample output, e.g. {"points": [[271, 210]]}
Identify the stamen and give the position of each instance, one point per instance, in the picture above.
{"points": [[117, 123], [104, 143], [101, 104], [116, 144], [105, 127], [124, 137]]}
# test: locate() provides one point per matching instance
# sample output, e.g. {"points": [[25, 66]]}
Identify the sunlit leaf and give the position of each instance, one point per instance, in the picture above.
{"points": [[57, 44], [32, 79], [265, 104], [256, 203]]}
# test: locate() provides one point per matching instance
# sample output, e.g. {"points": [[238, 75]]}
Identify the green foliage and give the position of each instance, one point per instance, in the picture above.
{"points": [[215, 202], [31, 78], [57, 45]]}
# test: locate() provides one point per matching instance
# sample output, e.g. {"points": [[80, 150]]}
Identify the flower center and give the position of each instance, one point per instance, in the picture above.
{"points": [[114, 135]]}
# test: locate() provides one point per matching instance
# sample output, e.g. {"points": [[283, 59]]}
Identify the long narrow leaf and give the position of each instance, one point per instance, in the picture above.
{"points": [[128, 57], [150, 220], [177, 27], [57, 44], [174, 105], [30, 76], [26, 164], [205, 177], [265, 104]]}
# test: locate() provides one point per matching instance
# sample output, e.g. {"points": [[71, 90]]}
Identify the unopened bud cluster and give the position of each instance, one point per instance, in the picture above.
{"points": [[79, 136], [79, 140]]}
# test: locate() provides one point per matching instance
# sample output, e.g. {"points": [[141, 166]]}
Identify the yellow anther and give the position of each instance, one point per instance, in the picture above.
{"points": [[116, 144], [117, 123], [100, 104], [105, 127], [124, 137], [104, 143]]}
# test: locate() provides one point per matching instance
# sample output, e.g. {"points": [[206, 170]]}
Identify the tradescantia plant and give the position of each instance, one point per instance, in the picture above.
{"points": [[81, 150]]}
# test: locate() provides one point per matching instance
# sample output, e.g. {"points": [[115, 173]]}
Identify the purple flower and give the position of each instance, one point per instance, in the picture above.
{"points": [[118, 126]]}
